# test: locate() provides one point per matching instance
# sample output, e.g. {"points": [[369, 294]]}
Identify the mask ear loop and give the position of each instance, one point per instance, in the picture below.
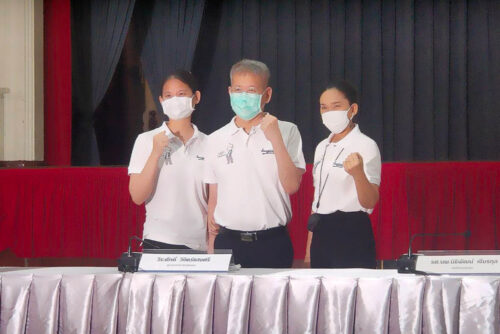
{"points": [[193, 105], [350, 119], [260, 104]]}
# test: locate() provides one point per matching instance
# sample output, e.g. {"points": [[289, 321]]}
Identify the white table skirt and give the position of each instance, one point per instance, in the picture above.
{"points": [[101, 300]]}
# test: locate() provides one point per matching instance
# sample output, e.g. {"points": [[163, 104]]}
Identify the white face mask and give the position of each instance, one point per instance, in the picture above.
{"points": [[336, 120], [178, 107]]}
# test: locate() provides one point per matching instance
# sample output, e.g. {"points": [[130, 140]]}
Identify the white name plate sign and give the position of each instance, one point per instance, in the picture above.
{"points": [[185, 260], [481, 263]]}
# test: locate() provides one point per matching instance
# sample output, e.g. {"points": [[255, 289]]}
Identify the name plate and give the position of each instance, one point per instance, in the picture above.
{"points": [[485, 263], [185, 260]]}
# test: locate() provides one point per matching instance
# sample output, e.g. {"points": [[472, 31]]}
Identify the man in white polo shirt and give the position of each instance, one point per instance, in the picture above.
{"points": [[253, 164]]}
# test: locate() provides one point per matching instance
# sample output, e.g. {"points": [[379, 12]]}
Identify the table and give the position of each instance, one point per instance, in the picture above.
{"points": [[102, 300]]}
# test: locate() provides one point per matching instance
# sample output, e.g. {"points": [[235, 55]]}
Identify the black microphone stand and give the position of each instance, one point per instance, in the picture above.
{"points": [[406, 262], [129, 261]]}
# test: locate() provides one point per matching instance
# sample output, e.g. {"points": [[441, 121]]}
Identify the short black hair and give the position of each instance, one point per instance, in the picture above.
{"points": [[350, 92], [185, 76]]}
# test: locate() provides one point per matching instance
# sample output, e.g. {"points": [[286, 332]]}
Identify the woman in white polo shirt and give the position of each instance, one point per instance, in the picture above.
{"points": [[346, 175], [166, 171]]}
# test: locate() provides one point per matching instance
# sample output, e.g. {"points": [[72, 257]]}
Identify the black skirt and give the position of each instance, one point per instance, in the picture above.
{"points": [[343, 240]]}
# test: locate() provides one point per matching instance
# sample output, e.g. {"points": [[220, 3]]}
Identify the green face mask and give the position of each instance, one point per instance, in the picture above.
{"points": [[245, 105]]}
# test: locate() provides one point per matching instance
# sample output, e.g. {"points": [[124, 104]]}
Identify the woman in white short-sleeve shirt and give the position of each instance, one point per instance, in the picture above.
{"points": [[166, 171], [346, 173]]}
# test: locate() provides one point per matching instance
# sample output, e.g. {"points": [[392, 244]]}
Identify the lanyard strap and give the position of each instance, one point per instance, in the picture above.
{"points": [[321, 189]]}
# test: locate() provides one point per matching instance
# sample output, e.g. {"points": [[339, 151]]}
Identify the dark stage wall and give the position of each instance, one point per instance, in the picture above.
{"points": [[428, 71]]}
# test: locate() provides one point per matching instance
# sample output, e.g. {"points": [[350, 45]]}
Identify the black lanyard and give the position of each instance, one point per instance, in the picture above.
{"points": [[321, 174]]}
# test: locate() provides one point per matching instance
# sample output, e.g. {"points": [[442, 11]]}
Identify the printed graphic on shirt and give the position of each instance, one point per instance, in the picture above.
{"points": [[228, 153], [168, 156]]}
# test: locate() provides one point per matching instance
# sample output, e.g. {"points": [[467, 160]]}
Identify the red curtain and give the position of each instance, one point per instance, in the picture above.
{"points": [[57, 82], [67, 212], [444, 197], [87, 212]]}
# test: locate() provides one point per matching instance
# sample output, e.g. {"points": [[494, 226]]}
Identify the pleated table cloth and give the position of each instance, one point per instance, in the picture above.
{"points": [[102, 300]]}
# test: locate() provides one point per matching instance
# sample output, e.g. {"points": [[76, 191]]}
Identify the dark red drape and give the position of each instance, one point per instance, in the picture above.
{"points": [[445, 197], [87, 212], [67, 212], [57, 82]]}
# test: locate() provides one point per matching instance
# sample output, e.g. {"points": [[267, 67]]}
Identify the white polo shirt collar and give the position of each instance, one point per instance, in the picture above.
{"points": [[348, 138], [235, 129]]}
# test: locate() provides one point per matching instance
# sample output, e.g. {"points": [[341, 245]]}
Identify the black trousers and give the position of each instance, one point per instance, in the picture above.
{"points": [[148, 244], [274, 251], [343, 240]]}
